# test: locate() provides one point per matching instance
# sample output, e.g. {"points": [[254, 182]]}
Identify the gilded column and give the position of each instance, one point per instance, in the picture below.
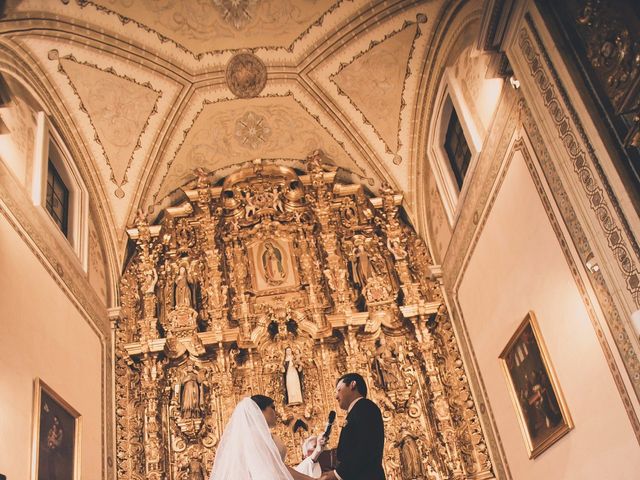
{"points": [[147, 279], [336, 273], [150, 384]]}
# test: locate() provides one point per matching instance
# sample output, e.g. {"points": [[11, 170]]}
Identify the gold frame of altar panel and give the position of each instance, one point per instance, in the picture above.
{"points": [[39, 433], [540, 406]]}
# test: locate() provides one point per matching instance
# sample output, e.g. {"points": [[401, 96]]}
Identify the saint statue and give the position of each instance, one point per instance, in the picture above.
{"points": [[191, 395], [183, 289], [150, 278], [385, 366], [273, 263], [361, 267], [410, 459], [293, 386]]}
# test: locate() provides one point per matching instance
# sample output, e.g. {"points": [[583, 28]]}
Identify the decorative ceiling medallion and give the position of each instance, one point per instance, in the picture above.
{"points": [[252, 130], [235, 12], [246, 75]]}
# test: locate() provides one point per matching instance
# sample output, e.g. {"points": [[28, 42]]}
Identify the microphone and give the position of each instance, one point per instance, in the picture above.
{"points": [[330, 420]]}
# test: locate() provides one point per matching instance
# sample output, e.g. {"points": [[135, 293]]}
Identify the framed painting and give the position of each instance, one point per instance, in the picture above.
{"points": [[537, 398], [56, 436], [272, 264]]}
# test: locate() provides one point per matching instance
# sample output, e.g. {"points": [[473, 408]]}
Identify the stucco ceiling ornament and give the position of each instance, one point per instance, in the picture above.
{"points": [[246, 75], [252, 130], [235, 12]]}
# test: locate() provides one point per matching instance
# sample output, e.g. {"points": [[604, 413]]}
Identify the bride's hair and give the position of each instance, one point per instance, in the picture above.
{"points": [[262, 401]]}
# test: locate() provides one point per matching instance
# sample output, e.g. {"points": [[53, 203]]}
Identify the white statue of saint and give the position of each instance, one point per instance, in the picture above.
{"points": [[292, 379]]}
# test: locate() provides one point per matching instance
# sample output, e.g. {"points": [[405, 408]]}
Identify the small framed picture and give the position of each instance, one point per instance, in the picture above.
{"points": [[537, 398], [56, 436]]}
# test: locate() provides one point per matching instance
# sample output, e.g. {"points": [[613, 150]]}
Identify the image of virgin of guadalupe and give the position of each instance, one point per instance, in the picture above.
{"points": [[273, 263]]}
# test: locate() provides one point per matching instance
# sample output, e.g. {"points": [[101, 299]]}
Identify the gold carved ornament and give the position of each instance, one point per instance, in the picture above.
{"points": [[277, 283]]}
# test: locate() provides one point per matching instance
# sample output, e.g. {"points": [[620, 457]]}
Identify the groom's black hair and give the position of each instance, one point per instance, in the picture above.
{"points": [[361, 386], [262, 401]]}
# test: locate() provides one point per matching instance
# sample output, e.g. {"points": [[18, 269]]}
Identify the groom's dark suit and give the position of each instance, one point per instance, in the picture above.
{"points": [[361, 443]]}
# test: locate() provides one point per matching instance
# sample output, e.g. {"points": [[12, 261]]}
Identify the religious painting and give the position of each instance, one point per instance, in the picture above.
{"points": [[540, 407], [273, 266], [56, 436]]}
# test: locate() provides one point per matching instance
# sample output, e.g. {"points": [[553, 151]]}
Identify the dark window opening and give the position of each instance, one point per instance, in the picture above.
{"points": [[457, 148], [57, 199]]}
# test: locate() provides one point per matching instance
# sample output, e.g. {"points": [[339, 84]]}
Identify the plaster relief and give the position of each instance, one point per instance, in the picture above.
{"points": [[246, 75], [118, 108], [231, 132], [223, 24], [374, 82]]}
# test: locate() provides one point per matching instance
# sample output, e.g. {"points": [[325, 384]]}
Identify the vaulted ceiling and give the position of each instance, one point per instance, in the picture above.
{"points": [[155, 88]]}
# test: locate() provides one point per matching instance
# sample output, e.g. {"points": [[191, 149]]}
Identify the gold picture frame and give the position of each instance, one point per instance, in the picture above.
{"points": [[540, 406], [56, 436]]}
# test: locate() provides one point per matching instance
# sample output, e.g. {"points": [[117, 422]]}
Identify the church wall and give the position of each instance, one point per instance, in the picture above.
{"points": [[18, 132], [45, 336], [440, 230], [604, 225], [495, 293]]}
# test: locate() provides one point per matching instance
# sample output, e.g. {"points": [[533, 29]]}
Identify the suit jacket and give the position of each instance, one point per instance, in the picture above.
{"points": [[361, 443]]}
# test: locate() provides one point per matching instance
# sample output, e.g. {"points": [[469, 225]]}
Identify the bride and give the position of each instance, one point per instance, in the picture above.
{"points": [[247, 450]]}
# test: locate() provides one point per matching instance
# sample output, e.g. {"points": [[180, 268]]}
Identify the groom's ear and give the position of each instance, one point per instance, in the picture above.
{"points": [[353, 385]]}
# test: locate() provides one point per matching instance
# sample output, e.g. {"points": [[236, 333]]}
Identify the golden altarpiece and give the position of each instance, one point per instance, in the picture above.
{"points": [[277, 282]]}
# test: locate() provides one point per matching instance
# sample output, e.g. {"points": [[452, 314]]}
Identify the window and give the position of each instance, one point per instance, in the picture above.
{"points": [[57, 198], [457, 149], [59, 190], [454, 142]]}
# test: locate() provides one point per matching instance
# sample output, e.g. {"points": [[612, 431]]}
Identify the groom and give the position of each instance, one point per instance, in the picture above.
{"points": [[362, 437]]}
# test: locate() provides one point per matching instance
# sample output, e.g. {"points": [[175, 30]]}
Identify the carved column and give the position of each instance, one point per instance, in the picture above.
{"points": [[310, 267], [215, 290], [241, 312], [440, 405], [336, 273], [397, 245], [147, 279], [472, 448], [150, 383]]}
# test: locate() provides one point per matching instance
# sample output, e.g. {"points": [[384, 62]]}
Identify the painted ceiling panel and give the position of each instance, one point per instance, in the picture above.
{"points": [[119, 109], [148, 85], [374, 82], [236, 131], [223, 24]]}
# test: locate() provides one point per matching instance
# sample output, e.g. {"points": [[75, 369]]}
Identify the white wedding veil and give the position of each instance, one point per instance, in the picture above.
{"points": [[247, 450]]}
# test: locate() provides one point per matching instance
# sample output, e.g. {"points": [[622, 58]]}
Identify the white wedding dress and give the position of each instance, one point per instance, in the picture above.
{"points": [[247, 450]]}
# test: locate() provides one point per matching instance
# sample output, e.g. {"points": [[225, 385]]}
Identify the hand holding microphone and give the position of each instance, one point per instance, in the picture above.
{"points": [[330, 420], [324, 438]]}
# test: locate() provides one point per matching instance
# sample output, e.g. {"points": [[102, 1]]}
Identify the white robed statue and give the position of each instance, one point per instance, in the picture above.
{"points": [[247, 450]]}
